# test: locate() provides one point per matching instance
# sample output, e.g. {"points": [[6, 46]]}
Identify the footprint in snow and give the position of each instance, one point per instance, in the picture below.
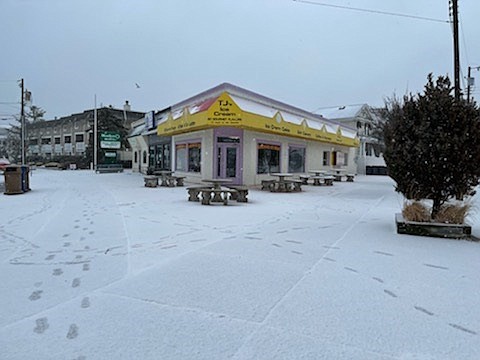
{"points": [[42, 325], [72, 332], [85, 303], [57, 272], [35, 295]]}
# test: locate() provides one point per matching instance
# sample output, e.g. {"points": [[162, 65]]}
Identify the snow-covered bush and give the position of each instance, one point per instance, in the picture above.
{"points": [[432, 144]]}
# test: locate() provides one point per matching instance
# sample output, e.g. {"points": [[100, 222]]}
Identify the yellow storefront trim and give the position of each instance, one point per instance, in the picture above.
{"points": [[225, 112]]}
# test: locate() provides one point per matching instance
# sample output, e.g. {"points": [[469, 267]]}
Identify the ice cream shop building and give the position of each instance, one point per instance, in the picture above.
{"points": [[230, 132]]}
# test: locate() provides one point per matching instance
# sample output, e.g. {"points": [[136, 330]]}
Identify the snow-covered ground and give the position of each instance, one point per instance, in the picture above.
{"points": [[99, 267]]}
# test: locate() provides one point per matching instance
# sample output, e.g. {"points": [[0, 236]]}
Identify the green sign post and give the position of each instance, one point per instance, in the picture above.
{"points": [[110, 140]]}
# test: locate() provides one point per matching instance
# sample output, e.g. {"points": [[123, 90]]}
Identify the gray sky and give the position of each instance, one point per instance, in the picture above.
{"points": [[308, 56]]}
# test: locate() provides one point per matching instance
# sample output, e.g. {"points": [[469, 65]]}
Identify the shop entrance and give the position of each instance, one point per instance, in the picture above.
{"points": [[227, 162], [228, 158]]}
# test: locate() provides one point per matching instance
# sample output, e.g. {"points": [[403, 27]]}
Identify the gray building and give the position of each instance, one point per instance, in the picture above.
{"points": [[70, 135]]}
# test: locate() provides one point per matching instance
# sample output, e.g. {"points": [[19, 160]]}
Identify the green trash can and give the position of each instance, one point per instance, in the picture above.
{"points": [[16, 179]]}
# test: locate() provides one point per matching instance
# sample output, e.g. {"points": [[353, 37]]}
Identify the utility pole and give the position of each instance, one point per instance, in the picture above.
{"points": [[95, 131], [470, 80], [22, 122], [456, 50]]}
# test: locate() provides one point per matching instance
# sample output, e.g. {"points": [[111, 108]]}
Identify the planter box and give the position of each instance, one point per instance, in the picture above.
{"points": [[454, 231]]}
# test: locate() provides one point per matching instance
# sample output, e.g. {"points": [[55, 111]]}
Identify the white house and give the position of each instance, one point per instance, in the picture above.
{"points": [[363, 118]]}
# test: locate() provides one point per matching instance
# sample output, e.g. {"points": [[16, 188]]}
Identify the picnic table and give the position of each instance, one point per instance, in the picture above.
{"points": [[217, 183], [217, 193], [318, 172], [283, 184], [168, 179], [165, 177], [339, 173]]}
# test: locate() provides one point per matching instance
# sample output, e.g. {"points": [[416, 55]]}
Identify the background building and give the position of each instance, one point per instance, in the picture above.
{"points": [[364, 118], [230, 132], [68, 138]]}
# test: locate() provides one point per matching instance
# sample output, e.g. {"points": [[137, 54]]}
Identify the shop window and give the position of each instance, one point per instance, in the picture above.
{"points": [[46, 141], [33, 142], [194, 157], [57, 140], [162, 156], [78, 138], [296, 159], [144, 156], [135, 157], [326, 158], [181, 157], [345, 159], [268, 158], [334, 158], [151, 156], [68, 139], [188, 157]]}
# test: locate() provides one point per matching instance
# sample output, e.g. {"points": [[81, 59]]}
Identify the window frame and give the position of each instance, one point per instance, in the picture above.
{"points": [[304, 150], [268, 143], [185, 159]]}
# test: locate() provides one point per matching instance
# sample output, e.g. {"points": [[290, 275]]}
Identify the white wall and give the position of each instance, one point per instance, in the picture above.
{"points": [[313, 157], [206, 137], [139, 144]]}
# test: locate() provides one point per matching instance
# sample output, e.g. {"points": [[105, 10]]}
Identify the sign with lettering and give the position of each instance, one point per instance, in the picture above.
{"points": [[110, 140], [224, 112], [150, 120]]}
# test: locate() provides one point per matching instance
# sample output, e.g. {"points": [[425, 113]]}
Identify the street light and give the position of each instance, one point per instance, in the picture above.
{"points": [[470, 80]]}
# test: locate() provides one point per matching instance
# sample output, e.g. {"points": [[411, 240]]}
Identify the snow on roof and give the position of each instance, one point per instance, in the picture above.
{"points": [[254, 107], [161, 118], [341, 112], [202, 106], [176, 114], [252, 102], [137, 130]]}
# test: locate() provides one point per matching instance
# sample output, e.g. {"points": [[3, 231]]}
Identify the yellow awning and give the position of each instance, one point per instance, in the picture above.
{"points": [[223, 111]]}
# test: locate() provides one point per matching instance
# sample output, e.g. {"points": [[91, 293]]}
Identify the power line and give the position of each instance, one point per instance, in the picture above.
{"points": [[373, 11]]}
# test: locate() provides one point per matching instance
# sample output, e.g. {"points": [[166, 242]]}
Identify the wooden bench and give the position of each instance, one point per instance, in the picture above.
{"points": [[337, 177], [151, 181], [194, 192], [241, 194], [350, 177], [109, 168]]}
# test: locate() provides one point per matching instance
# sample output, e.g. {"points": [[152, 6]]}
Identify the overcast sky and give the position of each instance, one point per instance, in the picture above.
{"points": [[309, 56]]}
